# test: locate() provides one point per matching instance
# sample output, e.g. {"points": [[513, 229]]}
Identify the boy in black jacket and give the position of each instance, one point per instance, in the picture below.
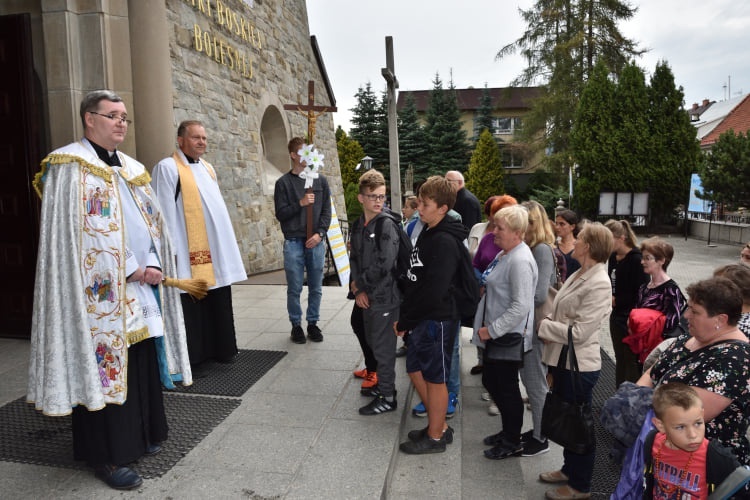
{"points": [[429, 311]]}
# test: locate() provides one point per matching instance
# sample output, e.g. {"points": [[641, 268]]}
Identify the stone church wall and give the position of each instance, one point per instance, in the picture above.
{"points": [[234, 66]]}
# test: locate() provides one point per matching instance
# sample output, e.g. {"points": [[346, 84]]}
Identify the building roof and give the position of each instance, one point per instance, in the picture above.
{"points": [[697, 110], [737, 118], [469, 99], [714, 115]]}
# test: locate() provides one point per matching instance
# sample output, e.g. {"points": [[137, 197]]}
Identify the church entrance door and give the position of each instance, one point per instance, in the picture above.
{"points": [[19, 161]]}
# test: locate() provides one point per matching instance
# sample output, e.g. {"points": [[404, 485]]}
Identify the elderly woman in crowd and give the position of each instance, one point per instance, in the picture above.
{"points": [[507, 308], [714, 359], [627, 276], [583, 302], [483, 255], [661, 293]]}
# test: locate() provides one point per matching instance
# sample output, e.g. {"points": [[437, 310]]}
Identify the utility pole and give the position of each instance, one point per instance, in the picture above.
{"points": [[390, 77]]}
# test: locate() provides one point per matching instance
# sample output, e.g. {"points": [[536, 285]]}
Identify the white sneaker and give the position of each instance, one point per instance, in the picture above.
{"points": [[493, 410], [485, 396]]}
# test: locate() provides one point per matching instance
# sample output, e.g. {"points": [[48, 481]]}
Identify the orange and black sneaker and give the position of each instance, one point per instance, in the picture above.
{"points": [[360, 373], [370, 384]]}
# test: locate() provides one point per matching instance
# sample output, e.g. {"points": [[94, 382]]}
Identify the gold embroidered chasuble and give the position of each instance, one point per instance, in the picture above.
{"points": [[85, 313]]}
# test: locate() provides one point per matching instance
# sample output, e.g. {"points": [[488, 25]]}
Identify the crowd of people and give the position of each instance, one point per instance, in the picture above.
{"points": [[542, 281], [112, 325]]}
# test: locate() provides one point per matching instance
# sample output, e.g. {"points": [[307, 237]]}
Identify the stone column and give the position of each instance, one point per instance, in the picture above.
{"points": [[155, 129]]}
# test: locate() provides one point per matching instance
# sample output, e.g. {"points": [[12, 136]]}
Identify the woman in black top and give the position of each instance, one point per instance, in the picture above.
{"points": [[566, 228], [627, 275]]}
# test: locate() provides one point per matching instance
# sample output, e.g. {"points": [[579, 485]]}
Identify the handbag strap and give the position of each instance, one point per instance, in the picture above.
{"points": [[568, 353]]}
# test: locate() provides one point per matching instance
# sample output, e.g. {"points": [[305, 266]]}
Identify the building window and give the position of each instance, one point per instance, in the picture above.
{"points": [[506, 125], [511, 159]]}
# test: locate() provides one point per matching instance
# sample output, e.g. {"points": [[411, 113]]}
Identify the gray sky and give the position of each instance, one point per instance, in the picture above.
{"points": [[704, 42]]}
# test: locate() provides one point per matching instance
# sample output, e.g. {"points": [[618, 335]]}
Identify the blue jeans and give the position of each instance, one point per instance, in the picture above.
{"points": [[297, 259], [579, 468], [454, 379]]}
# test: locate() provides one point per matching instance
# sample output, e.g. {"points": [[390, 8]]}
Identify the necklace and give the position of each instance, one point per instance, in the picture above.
{"points": [[663, 485]]}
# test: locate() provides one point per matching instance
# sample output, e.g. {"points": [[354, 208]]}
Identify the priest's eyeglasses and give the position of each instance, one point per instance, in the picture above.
{"points": [[113, 117]]}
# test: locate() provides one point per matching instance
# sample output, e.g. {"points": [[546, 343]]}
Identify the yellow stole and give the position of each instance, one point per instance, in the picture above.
{"points": [[195, 225]]}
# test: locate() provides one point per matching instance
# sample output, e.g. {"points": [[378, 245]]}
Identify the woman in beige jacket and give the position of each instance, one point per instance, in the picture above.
{"points": [[583, 302]]}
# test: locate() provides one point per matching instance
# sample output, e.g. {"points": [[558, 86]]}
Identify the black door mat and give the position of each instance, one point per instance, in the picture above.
{"points": [[27, 436], [233, 379], [606, 472]]}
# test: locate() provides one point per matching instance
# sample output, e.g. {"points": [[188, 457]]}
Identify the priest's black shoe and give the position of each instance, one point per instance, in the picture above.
{"points": [[119, 478], [153, 449]]}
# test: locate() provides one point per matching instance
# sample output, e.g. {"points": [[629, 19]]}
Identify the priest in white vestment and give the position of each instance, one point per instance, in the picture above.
{"points": [[106, 334], [205, 244]]}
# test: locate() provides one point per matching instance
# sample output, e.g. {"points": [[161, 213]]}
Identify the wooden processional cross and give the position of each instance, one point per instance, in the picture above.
{"points": [[312, 112]]}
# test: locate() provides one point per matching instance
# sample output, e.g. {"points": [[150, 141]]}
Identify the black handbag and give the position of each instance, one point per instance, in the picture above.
{"points": [[508, 347], [569, 424]]}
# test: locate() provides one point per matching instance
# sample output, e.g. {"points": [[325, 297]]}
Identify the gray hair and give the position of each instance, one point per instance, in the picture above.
{"points": [[91, 102]]}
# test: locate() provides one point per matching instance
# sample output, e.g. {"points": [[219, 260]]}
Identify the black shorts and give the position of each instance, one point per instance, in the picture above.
{"points": [[430, 348]]}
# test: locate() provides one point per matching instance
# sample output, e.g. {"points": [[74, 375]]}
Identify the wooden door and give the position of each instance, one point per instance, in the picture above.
{"points": [[19, 159]]}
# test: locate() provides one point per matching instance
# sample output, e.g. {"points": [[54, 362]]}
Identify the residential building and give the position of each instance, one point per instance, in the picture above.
{"points": [[509, 105]]}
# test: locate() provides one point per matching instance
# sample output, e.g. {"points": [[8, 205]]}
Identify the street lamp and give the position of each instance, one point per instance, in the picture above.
{"points": [[366, 163]]}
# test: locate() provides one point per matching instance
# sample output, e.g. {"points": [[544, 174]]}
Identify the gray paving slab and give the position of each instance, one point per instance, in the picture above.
{"points": [[297, 433]]}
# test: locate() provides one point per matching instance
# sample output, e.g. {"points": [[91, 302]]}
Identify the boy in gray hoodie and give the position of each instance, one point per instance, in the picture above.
{"points": [[373, 258]]}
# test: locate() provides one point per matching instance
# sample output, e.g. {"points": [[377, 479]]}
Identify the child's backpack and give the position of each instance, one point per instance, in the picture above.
{"points": [[465, 287], [404, 247]]}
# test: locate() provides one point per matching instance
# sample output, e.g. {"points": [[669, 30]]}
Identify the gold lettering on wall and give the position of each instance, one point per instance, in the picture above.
{"points": [[222, 52], [231, 21]]}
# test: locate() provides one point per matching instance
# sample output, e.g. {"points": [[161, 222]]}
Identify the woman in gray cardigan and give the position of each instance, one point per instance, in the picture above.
{"points": [[583, 302], [507, 306]]}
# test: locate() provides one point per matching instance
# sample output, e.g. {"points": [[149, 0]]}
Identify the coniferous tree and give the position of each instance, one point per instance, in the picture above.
{"points": [[676, 150], [447, 149], [412, 142], [592, 143], [365, 120], [562, 42], [484, 177], [484, 118], [630, 137]]}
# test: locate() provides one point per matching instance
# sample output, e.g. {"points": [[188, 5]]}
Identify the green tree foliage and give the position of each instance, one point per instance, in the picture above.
{"points": [[562, 42], [350, 154], [447, 149], [548, 196], [591, 137], [412, 141], [484, 114], [353, 206], [633, 137], [725, 171], [676, 149], [485, 175], [367, 125]]}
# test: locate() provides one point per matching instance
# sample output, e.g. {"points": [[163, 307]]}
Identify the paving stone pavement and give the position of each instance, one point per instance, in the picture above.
{"points": [[297, 433]]}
